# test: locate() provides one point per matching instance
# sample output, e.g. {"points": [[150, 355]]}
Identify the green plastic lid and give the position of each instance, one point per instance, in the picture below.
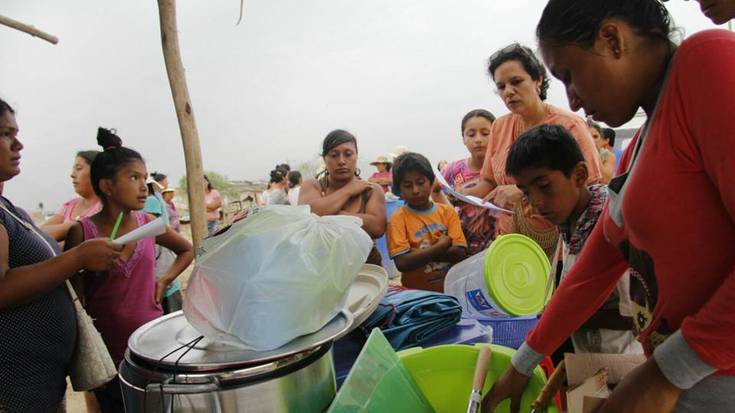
{"points": [[516, 273]]}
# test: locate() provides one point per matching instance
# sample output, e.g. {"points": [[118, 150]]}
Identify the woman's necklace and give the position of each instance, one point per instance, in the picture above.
{"points": [[83, 207]]}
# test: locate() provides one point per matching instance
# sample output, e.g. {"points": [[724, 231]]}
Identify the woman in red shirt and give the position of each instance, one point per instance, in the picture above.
{"points": [[671, 214]]}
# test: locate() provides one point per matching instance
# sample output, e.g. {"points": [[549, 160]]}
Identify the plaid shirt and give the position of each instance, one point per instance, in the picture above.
{"points": [[586, 221]]}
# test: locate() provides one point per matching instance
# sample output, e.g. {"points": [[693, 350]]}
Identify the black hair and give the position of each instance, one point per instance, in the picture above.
{"points": [[544, 146], [284, 167], [277, 175], [525, 56], [477, 113], [293, 178], [108, 162], [410, 162], [88, 156], [609, 134], [158, 177], [335, 138], [596, 126], [209, 184], [565, 22], [5, 107]]}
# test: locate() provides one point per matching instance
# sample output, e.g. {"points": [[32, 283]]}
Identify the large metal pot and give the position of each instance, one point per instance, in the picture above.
{"points": [[200, 376]]}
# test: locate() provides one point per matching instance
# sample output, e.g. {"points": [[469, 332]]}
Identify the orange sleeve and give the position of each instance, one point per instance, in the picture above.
{"points": [[454, 227], [397, 234], [487, 166]]}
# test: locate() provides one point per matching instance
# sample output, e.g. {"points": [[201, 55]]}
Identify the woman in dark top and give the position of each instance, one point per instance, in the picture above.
{"points": [[37, 319]]}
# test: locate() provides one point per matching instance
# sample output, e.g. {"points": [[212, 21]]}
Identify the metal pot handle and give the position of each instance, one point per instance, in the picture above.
{"points": [[184, 388]]}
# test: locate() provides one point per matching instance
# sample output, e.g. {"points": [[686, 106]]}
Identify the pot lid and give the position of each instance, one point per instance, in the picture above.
{"points": [[164, 342], [365, 294]]}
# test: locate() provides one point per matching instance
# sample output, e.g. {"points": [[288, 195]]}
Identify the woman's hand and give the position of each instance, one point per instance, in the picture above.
{"points": [[645, 389], [510, 385], [358, 186], [505, 196], [97, 254]]}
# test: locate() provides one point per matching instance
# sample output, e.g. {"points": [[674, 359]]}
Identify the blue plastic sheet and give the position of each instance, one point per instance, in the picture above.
{"points": [[410, 318]]}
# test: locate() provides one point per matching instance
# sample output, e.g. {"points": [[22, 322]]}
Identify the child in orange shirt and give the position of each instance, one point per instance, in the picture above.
{"points": [[424, 238]]}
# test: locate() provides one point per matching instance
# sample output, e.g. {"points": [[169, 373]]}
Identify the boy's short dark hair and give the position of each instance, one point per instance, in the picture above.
{"points": [[410, 161], [545, 146]]}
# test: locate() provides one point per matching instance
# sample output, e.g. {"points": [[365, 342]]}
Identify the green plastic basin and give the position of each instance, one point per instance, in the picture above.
{"points": [[444, 375]]}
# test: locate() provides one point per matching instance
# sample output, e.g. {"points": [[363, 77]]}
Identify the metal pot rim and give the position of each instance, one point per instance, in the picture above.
{"points": [[150, 349]]}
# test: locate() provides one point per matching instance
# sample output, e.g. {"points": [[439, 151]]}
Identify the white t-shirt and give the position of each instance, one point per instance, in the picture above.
{"points": [[275, 196], [293, 195]]}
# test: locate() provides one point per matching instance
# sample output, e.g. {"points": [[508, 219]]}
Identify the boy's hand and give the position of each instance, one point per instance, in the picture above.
{"points": [[444, 242]]}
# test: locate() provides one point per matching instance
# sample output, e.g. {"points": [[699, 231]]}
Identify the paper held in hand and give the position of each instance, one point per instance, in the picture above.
{"points": [[472, 200], [152, 229]]}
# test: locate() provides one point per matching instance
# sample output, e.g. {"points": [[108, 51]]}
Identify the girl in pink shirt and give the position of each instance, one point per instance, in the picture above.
{"points": [[477, 224], [128, 295]]}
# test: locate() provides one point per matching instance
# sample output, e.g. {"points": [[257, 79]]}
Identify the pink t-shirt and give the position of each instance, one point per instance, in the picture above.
{"points": [[123, 298], [210, 197], [382, 175], [478, 225], [67, 209]]}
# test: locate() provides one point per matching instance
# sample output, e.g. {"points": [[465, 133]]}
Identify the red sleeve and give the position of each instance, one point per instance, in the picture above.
{"points": [[583, 291], [709, 101]]}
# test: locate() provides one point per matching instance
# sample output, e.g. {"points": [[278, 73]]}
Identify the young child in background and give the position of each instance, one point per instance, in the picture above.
{"points": [[549, 169], [128, 295], [424, 238], [477, 224]]}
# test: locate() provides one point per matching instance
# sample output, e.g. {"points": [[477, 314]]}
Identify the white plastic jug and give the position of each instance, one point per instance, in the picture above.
{"points": [[511, 278]]}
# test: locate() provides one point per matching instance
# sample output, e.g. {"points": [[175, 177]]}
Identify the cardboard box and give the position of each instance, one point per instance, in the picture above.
{"points": [[589, 377]]}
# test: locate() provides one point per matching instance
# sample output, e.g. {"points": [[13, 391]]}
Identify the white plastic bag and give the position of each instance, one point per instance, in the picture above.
{"points": [[280, 273]]}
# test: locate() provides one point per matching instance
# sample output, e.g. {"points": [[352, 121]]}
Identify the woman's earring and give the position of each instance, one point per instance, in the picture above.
{"points": [[357, 172]]}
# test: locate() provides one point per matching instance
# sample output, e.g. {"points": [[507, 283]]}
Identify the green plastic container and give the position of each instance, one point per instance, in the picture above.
{"points": [[444, 375], [378, 382], [516, 275]]}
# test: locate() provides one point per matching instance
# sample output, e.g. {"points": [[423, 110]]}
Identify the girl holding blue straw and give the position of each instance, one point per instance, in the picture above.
{"points": [[128, 295]]}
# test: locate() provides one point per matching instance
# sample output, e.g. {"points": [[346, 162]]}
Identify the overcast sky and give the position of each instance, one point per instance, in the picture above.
{"points": [[268, 91]]}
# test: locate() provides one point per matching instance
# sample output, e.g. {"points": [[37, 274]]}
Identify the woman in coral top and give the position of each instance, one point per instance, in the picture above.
{"points": [[671, 212], [522, 84]]}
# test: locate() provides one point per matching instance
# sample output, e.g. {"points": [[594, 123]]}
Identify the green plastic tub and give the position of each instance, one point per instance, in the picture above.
{"points": [[444, 376]]}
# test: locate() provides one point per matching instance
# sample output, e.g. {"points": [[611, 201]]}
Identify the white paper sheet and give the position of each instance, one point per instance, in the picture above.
{"points": [[152, 229], [472, 200]]}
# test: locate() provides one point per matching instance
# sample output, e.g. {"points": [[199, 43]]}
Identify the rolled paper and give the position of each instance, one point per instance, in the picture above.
{"points": [[152, 229]]}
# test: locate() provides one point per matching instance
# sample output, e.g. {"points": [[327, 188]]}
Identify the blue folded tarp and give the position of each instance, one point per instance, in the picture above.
{"points": [[409, 318]]}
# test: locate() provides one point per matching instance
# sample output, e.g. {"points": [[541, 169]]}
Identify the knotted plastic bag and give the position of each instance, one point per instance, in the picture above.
{"points": [[280, 273]]}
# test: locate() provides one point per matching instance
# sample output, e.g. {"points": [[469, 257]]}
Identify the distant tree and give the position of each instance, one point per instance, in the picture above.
{"points": [[219, 182], [309, 168]]}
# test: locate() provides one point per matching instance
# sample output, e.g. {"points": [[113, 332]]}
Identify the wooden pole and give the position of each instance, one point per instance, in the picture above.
{"points": [[7, 21], [185, 114]]}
